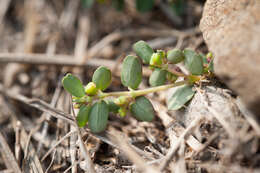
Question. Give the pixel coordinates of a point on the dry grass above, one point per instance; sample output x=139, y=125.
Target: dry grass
x=43, y=40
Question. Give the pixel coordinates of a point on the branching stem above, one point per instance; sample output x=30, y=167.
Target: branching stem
x=136, y=93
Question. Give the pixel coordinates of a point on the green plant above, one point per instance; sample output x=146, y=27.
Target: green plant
x=94, y=104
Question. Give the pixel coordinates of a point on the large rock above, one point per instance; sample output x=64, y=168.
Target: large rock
x=231, y=29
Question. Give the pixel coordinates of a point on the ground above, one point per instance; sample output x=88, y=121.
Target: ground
x=41, y=41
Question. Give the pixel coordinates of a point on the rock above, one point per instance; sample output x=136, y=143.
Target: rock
x=231, y=29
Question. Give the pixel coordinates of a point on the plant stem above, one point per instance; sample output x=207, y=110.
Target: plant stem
x=136, y=93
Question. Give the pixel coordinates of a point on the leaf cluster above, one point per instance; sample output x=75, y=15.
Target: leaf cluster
x=95, y=105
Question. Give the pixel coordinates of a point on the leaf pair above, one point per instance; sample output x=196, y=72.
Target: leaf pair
x=96, y=116
x=101, y=80
x=192, y=61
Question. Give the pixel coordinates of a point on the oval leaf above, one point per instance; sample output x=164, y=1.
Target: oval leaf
x=83, y=114
x=98, y=117
x=102, y=77
x=144, y=5
x=131, y=74
x=158, y=77
x=193, y=62
x=73, y=85
x=181, y=96
x=142, y=109
x=175, y=56
x=143, y=50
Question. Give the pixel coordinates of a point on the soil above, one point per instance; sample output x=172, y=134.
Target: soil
x=41, y=41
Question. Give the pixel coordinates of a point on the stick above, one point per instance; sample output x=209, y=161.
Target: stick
x=175, y=129
x=249, y=116
x=59, y=60
x=132, y=155
x=56, y=144
x=85, y=153
x=38, y=104
x=8, y=156
x=177, y=144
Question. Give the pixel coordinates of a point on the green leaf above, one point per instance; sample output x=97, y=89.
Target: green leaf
x=87, y=3
x=175, y=56
x=102, y=77
x=181, y=96
x=98, y=117
x=82, y=116
x=143, y=50
x=118, y=4
x=142, y=109
x=112, y=106
x=158, y=77
x=193, y=62
x=73, y=85
x=144, y=5
x=131, y=73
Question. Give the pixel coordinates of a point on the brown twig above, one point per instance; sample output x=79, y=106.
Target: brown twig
x=38, y=104
x=17, y=141
x=85, y=153
x=56, y=144
x=249, y=117
x=221, y=119
x=52, y=160
x=106, y=136
x=59, y=60
x=32, y=161
x=176, y=145
x=176, y=129
x=46, y=124
x=8, y=156
x=132, y=155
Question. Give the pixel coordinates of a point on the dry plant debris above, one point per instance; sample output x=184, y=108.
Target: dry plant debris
x=43, y=40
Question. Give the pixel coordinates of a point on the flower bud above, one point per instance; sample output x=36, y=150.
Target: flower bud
x=91, y=89
x=156, y=59
x=122, y=112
